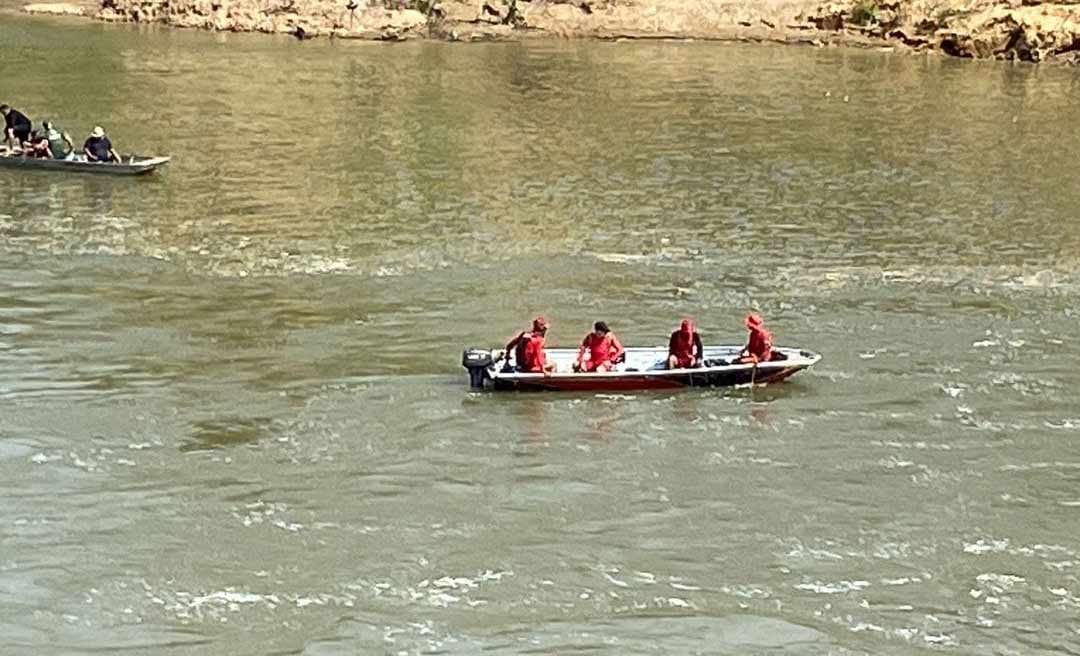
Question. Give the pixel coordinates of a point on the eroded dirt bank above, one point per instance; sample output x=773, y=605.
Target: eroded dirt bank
x=1030, y=30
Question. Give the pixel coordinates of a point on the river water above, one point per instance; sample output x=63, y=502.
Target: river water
x=233, y=420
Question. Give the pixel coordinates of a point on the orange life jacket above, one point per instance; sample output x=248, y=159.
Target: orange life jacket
x=603, y=348
x=530, y=353
x=760, y=344
x=682, y=345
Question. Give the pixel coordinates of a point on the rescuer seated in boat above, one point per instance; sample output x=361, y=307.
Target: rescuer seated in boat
x=684, y=348
x=528, y=349
x=758, y=344
x=60, y=144
x=16, y=126
x=98, y=148
x=603, y=348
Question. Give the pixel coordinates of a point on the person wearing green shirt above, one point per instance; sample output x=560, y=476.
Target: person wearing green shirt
x=60, y=144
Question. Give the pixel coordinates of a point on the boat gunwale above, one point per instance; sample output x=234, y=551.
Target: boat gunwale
x=804, y=360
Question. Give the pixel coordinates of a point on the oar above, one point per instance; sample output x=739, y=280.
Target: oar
x=753, y=375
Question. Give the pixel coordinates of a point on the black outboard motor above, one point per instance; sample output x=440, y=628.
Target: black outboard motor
x=477, y=361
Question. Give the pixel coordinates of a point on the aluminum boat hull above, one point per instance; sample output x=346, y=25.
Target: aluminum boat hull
x=644, y=368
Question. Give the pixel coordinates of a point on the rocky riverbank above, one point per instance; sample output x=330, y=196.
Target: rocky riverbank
x=1029, y=30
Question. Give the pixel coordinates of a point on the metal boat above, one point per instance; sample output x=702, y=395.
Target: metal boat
x=643, y=368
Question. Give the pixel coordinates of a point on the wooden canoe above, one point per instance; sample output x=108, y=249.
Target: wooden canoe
x=129, y=165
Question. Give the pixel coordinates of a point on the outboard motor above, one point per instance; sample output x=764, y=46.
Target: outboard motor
x=477, y=361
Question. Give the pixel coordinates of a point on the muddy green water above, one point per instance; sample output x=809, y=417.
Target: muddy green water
x=232, y=419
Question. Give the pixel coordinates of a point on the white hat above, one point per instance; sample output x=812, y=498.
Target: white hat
x=97, y=132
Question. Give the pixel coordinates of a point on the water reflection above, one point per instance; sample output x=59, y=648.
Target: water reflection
x=602, y=422
x=760, y=415
x=532, y=412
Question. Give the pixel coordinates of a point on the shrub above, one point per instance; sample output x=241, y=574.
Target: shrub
x=864, y=12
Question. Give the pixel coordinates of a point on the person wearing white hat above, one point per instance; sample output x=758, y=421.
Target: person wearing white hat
x=98, y=148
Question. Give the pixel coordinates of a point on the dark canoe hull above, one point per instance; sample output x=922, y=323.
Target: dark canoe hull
x=136, y=166
x=644, y=381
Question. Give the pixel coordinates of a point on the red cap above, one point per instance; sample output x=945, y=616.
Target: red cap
x=540, y=323
x=687, y=326
x=753, y=321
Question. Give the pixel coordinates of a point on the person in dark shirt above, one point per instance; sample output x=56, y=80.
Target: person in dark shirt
x=98, y=148
x=684, y=347
x=16, y=125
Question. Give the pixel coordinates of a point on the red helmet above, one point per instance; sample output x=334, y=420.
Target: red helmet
x=687, y=326
x=753, y=321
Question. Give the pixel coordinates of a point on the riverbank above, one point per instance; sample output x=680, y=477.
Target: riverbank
x=1026, y=30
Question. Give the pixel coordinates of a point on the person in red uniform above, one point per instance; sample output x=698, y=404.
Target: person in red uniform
x=528, y=349
x=684, y=347
x=758, y=344
x=603, y=348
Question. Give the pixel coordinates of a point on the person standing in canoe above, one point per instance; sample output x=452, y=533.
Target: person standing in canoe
x=603, y=348
x=16, y=126
x=528, y=349
x=758, y=344
x=98, y=148
x=60, y=145
x=684, y=348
